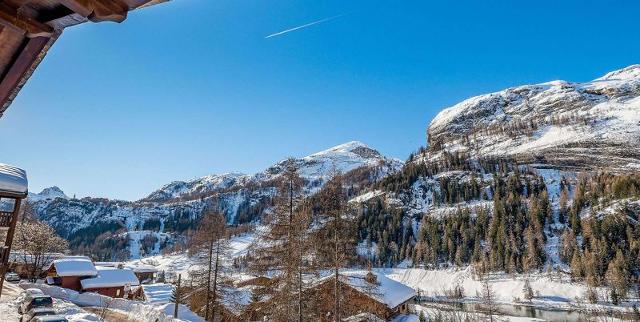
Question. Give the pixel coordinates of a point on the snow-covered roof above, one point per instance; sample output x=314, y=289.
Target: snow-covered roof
x=110, y=277
x=386, y=291
x=12, y=179
x=141, y=268
x=74, y=266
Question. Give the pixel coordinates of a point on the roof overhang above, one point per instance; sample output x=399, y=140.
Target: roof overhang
x=28, y=28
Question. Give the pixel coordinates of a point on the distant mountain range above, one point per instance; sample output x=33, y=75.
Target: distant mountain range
x=175, y=207
x=557, y=129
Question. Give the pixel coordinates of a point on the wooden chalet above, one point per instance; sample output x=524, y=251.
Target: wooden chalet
x=364, y=294
x=27, y=265
x=114, y=282
x=13, y=189
x=69, y=271
x=28, y=28
x=79, y=273
x=145, y=273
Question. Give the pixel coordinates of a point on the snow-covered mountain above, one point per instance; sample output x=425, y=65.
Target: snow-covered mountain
x=47, y=194
x=145, y=224
x=595, y=123
x=315, y=169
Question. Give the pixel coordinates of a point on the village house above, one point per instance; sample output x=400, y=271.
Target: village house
x=145, y=273
x=79, y=273
x=27, y=265
x=114, y=282
x=242, y=302
x=67, y=272
x=364, y=294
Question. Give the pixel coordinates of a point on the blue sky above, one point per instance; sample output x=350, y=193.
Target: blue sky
x=192, y=87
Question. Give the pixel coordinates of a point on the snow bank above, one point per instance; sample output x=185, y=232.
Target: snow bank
x=139, y=311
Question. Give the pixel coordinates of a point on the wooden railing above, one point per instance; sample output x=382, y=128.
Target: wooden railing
x=5, y=219
x=4, y=252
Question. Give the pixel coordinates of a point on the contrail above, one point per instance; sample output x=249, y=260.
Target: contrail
x=303, y=26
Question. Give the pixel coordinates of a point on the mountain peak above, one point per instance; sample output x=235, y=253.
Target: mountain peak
x=626, y=73
x=355, y=147
x=50, y=193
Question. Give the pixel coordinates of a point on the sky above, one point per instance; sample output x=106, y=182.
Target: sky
x=196, y=87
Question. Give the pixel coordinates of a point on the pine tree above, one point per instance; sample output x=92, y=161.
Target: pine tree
x=211, y=247
x=577, y=267
x=337, y=234
x=288, y=244
x=618, y=275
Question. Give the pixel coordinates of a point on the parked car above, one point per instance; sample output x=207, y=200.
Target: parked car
x=12, y=277
x=32, y=301
x=49, y=318
x=37, y=312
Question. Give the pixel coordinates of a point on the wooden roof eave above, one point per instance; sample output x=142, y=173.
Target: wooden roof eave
x=28, y=28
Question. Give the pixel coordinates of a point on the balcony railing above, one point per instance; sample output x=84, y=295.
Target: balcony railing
x=5, y=219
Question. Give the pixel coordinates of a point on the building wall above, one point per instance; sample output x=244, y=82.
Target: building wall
x=115, y=292
x=71, y=282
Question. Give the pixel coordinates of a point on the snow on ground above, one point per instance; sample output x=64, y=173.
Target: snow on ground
x=139, y=311
x=158, y=293
x=12, y=295
x=552, y=290
x=367, y=196
x=434, y=283
x=181, y=263
x=8, y=304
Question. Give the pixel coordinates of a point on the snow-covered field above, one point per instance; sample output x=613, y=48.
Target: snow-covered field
x=553, y=291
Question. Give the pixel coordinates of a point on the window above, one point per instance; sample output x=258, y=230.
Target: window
x=118, y=292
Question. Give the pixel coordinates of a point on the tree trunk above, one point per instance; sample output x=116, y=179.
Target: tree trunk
x=336, y=269
x=215, y=281
x=175, y=309
x=207, y=306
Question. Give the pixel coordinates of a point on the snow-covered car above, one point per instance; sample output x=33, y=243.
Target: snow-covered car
x=12, y=277
x=49, y=318
x=37, y=312
x=33, y=301
x=34, y=291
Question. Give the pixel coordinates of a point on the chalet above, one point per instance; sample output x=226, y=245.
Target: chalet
x=243, y=302
x=67, y=272
x=27, y=265
x=145, y=273
x=364, y=294
x=113, y=282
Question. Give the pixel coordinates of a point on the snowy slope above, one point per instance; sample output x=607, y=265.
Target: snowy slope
x=564, y=123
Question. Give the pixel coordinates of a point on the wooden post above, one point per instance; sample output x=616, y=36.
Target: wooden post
x=177, y=299
x=9, y=240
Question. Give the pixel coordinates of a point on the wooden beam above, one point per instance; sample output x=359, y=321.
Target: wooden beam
x=99, y=10
x=109, y=10
x=11, y=18
x=81, y=7
x=20, y=69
